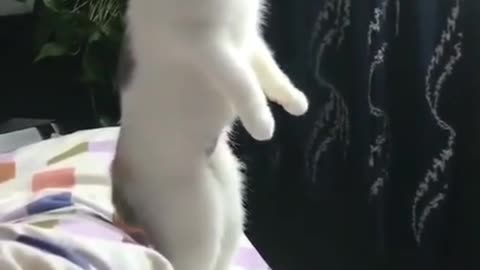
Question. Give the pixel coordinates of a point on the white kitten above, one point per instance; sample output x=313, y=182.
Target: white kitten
x=198, y=65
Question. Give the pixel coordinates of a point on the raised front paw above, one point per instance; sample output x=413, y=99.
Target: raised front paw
x=258, y=122
x=290, y=98
x=296, y=103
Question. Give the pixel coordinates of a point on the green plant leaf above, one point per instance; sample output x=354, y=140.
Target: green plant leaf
x=44, y=29
x=114, y=29
x=95, y=37
x=92, y=64
x=55, y=5
x=52, y=49
x=82, y=25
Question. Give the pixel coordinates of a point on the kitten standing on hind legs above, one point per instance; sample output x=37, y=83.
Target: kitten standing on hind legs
x=198, y=65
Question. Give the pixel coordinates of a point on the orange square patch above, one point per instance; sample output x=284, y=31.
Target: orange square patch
x=7, y=171
x=61, y=178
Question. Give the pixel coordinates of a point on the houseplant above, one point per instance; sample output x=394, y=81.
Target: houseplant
x=88, y=34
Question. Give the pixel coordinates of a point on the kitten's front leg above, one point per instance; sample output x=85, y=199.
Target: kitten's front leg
x=276, y=85
x=236, y=80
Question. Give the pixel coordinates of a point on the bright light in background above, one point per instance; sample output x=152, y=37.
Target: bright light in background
x=14, y=7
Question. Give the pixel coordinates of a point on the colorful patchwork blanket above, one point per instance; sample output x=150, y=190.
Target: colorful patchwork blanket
x=55, y=210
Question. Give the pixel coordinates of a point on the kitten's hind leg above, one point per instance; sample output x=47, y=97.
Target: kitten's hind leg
x=226, y=168
x=181, y=213
x=236, y=80
x=276, y=85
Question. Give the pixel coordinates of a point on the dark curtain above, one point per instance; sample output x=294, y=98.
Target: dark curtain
x=381, y=172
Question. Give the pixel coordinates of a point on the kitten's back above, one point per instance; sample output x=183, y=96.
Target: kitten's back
x=167, y=37
x=186, y=10
x=193, y=18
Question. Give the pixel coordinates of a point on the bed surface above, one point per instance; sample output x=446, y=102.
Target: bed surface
x=72, y=171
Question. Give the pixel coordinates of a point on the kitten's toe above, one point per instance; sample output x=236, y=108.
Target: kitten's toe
x=297, y=104
x=260, y=126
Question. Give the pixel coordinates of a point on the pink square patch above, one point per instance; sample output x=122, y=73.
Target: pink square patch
x=61, y=178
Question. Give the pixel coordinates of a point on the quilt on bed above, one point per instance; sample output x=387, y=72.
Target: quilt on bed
x=55, y=210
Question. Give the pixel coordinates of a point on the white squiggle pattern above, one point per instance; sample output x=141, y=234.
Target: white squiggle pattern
x=397, y=19
x=327, y=40
x=338, y=12
x=378, y=145
x=378, y=184
x=338, y=32
x=322, y=17
x=320, y=125
x=335, y=108
x=345, y=22
x=379, y=16
x=341, y=21
x=378, y=59
x=432, y=97
x=439, y=164
x=433, y=204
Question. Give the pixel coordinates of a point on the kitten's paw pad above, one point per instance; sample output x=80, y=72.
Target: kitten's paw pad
x=260, y=126
x=297, y=104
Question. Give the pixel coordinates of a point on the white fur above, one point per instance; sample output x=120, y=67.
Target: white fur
x=199, y=64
